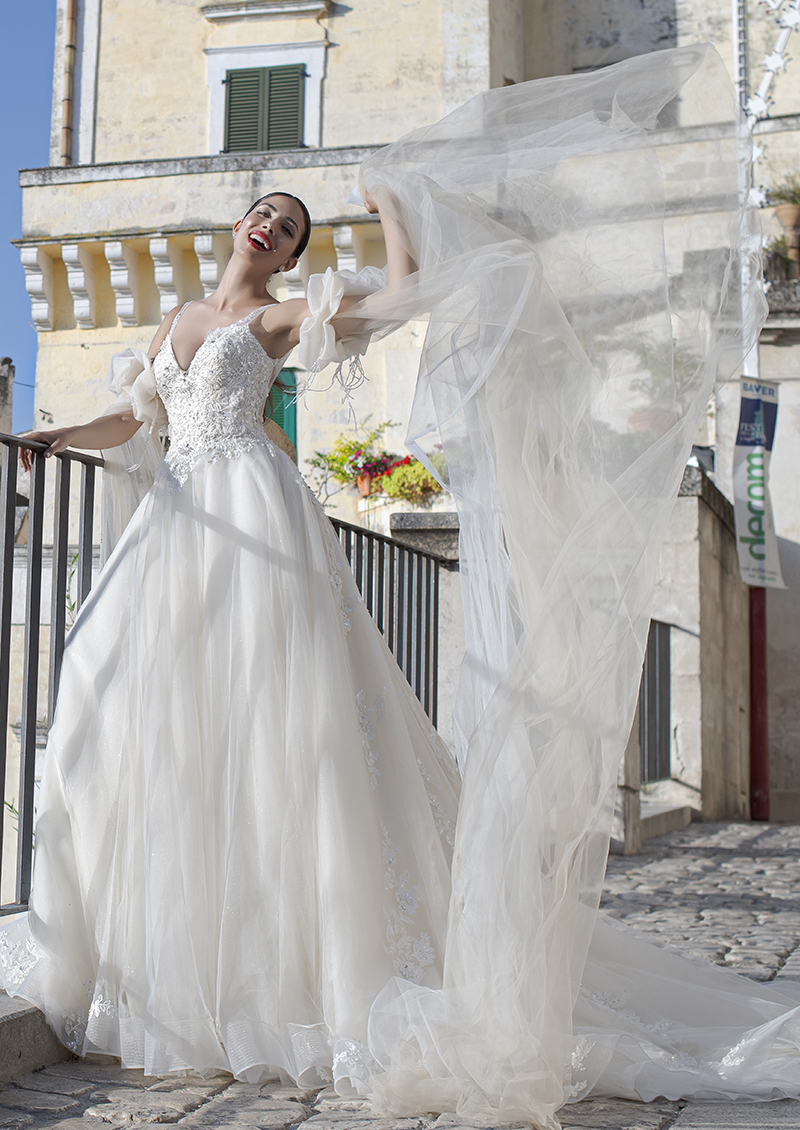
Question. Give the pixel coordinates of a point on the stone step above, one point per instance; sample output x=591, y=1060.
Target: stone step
x=26, y=1040
x=659, y=819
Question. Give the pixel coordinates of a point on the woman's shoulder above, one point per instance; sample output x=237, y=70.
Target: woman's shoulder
x=163, y=330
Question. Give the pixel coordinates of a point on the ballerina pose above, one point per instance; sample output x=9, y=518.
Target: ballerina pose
x=246, y=819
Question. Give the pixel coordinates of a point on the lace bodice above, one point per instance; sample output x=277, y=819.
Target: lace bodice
x=216, y=406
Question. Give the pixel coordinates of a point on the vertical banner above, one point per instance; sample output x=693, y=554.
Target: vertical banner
x=755, y=532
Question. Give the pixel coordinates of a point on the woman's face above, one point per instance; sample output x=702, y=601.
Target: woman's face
x=269, y=234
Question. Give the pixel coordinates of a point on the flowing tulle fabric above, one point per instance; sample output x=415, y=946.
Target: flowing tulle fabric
x=583, y=248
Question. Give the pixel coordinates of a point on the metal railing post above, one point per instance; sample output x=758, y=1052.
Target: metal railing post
x=85, y=533
x=8, y=500
x=30, y=677
x=58, y=591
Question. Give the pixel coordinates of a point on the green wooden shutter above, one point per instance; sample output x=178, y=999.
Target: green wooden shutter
x=264, y=109
x=283, y=410
x=285, y=107
x=244, y=111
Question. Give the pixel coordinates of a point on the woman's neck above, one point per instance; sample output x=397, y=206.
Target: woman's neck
x=241, y=288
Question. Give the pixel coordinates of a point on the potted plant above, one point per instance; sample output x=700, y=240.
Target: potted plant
x=776, y=259
x=353, y=461
x=411, y=481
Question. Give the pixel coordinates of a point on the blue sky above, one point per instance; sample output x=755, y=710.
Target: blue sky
x=27, y=32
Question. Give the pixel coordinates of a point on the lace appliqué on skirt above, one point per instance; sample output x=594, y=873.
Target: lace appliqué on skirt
x=583, y=1046
x=445, y=825
x=17, y=960
x=410, y=955
x=353, y=1060
x=335, y=576
x=368, y=718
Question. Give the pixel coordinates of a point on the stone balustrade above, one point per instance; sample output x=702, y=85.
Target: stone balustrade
x=134, y=280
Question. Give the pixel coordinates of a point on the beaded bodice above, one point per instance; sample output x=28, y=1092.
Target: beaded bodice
x=215, y=407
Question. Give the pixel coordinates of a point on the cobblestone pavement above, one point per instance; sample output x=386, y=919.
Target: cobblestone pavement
x=728, y=892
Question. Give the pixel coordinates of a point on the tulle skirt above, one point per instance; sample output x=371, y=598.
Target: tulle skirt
x=246, y=819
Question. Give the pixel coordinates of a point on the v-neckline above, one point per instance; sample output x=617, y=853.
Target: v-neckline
x=214, y=329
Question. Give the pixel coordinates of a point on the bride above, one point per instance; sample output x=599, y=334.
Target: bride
x=245, y=823
x=244, y=841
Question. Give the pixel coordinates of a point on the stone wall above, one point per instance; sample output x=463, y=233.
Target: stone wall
x=699, y=593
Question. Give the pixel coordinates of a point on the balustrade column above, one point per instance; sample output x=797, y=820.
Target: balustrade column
x=344, y=244
x=38, y=267
x=213, y=252
x=124, y=276
x=165, y=258
x=79, y=262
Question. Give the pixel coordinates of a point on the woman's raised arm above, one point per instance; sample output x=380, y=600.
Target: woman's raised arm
x=282, y=321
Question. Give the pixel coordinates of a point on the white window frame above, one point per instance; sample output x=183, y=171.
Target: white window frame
x=220, y=60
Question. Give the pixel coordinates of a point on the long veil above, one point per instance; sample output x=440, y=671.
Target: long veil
x=584, y=247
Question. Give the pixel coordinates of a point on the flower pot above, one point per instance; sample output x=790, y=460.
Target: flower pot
x=364, y=484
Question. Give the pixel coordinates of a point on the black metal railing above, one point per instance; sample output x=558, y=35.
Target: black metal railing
x=35, y=503
x=655, y=727
x=399, y=585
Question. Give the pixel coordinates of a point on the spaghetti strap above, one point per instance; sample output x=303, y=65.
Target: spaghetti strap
x=176, y=319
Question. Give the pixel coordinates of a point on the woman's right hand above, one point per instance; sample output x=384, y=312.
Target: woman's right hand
x=57, y=440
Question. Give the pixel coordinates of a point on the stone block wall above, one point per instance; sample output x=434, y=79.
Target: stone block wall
x=699, y=593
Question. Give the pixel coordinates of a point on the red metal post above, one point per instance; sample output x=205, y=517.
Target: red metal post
x=759, y=730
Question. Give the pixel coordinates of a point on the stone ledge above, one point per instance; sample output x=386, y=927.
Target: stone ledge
x=432, y=532
x=179, y=166
x=26, y=1040
x=783, y=296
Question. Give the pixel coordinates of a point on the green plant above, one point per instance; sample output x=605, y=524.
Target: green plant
x=71, y=601
x=776, y=258
x=351, y=456
x=786, y=193
x=13, y=811
x=411, y=481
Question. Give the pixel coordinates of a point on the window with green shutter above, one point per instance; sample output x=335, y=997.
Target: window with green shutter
x=281, y=408
x=264, y=108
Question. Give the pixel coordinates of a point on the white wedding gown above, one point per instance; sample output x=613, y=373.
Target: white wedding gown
x=246, y=819
x=244, y=834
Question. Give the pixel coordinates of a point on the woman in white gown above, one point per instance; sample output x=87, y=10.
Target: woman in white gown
x=242, y=847
x=246, y=820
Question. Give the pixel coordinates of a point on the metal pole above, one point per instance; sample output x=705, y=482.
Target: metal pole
x=759, y=727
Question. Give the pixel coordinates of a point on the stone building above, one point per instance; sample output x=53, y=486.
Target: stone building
x=178, y=114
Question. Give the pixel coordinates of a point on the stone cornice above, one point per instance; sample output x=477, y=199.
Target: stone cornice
x=180, y=166
x=247, y=9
